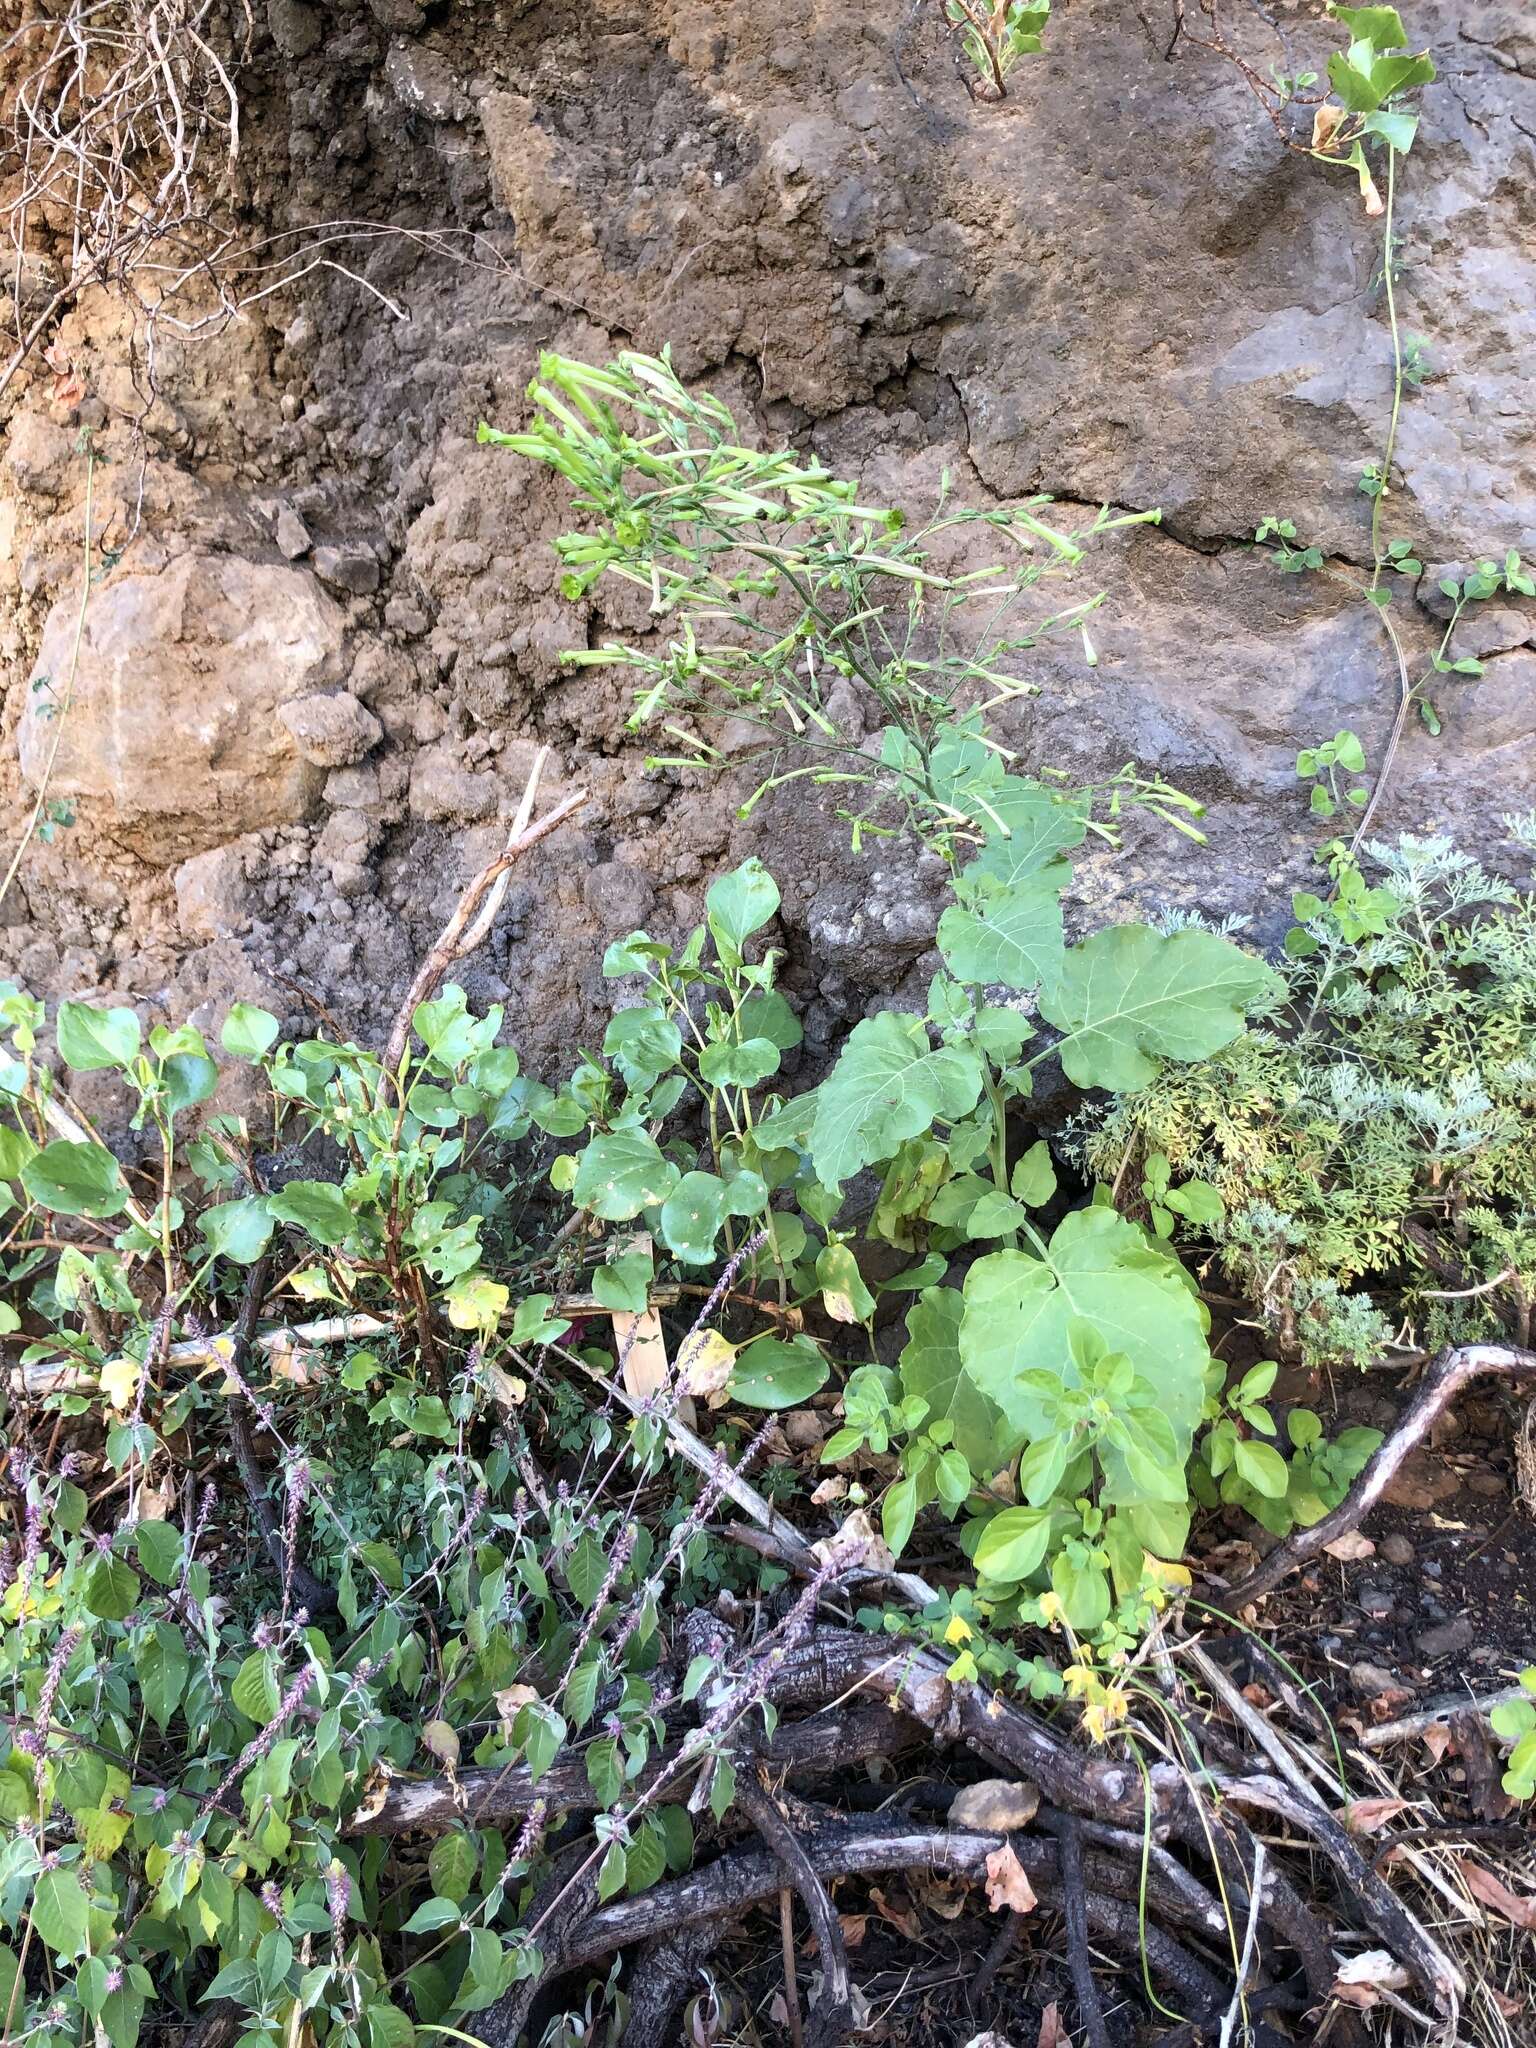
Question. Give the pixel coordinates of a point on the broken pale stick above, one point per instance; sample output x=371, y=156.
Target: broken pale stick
x=470, y=925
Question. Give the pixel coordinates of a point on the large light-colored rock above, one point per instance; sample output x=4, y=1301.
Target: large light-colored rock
x=172, y=721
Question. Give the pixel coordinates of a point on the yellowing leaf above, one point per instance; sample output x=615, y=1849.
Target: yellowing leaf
x=1106, y=1712
x=120, y=1378
x=441, y=1740
x=704, y=1364
x=477, y=1302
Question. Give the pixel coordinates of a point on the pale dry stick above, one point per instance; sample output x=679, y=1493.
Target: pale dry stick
x=1417, y=1724
x=1250, y=1942
x=1446, y=1377
x=1295, y=1763
x=476, y=910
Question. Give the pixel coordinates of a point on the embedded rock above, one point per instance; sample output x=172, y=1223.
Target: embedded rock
x=331, y=731
x=170, y=728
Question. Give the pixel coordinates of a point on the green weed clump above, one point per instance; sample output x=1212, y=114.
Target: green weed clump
x=1367, y=1147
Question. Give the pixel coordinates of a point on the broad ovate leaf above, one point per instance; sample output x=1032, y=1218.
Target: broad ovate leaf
x=775, y=1372
x=1129, y=997
x=1005, y=924
x=1011, y=935
x=1022, y=1314
x=75, y=1179
x=90, y=1039
x=740, y=904
x=930, y=1366
x=622, y=1173
x=888, y=1085
x=691, y=1217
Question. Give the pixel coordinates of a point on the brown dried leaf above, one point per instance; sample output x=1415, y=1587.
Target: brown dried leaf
x=1490, y=1891
x=857, y=1542
x=1436, y=1738
x=1386, y=1706
x=855, y=1926
x=835, y=1488
x=508, y=1700
x=375, y=1792
x=1008, y=1885
x=1351, y=1547
x=1370, y=1816
x=1052, y=2032
x=941, y=1896
x=1326, y=123
x=898, y=1916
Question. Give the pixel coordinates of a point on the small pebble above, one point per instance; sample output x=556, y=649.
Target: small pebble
x=1371, y=1678
x=1376, y=1601
x=1397, y=1549
x=1446, y=1637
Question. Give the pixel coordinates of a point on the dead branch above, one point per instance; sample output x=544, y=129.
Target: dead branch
x=845, y=1849
x=830, y=2014
x=1450, y=1372
x=665, y=1972
x=485, y=1796
x=1433, y=1716
x=476, y=911
x=1380, y=1908
x=1067, y=1830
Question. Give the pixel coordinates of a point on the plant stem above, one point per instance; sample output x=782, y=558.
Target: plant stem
x=1397, y=376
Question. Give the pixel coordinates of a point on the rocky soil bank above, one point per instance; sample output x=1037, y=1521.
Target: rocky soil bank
x=313, y=681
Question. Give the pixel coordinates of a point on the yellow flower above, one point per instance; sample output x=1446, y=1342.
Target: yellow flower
x=959, y=1630
x=1106, y=1712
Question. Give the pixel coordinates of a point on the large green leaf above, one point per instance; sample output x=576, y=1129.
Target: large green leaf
x=240, y=1230
x=740, y=904
x=888, y=1085
x=1005, y=924
x=75, y=1179
x=318, y=1208
x=1005, y=933
x=1381, y=27
x=248, y=1031
x=930, y=1366
x=776, y=1372
x=61, y=1912
x=1040, y=828
x=1102, y=1271
x=1129, y=997
x=622, y=1173
x=691, y=1217
x=90, y=1038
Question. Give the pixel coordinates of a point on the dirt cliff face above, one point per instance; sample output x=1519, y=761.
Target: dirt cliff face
x=312, y=684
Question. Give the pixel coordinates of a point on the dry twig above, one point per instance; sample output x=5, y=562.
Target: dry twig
x=470, y=925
